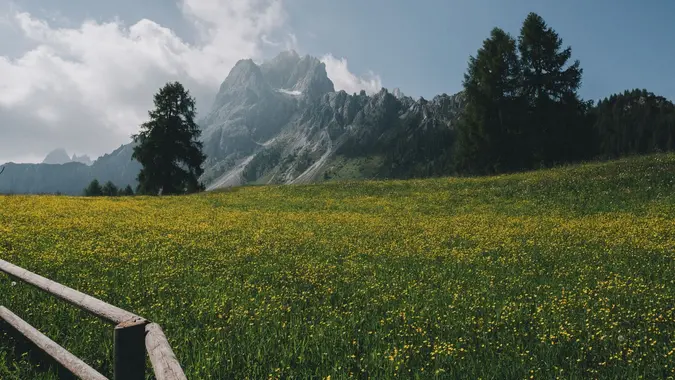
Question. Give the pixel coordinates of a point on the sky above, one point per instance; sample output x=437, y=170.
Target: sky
x=80, y=74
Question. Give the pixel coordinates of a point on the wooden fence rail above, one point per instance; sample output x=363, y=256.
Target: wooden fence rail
x=133, y=335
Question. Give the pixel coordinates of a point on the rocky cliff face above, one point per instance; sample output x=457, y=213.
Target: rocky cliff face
x=283, y=122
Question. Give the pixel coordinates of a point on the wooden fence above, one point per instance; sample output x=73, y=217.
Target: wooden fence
x=133, y=335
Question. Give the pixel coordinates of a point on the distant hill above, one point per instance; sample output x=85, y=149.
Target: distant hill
x=70, y=177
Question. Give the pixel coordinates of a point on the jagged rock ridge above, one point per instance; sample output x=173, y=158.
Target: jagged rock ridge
x=282, y=122
x=60, y=156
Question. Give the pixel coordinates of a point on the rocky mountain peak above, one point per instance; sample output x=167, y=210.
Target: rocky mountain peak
x=57, y=156
x=60, y=156
x=244, y=75
x=285, y=58
x=311, y=77
x=292, y=74
x=83, y=159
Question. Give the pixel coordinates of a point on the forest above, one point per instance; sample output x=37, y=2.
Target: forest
x=523, y=109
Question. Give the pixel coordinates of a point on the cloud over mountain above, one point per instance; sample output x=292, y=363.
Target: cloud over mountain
x=338, y=72
x=87, y=88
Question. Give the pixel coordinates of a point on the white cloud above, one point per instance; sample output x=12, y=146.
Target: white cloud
x=291, y=42
x=267, y=41
x=88, y=88
x=339, y=73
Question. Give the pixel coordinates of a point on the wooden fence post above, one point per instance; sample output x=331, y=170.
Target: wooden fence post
x=130, y=333
x=129, y=360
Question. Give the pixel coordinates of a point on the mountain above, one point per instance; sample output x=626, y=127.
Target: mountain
x=397, y=93
x=57, y=157
x=283, y=122
x=84, y=159
x=70, y=177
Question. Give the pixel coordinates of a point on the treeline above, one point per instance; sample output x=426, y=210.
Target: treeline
x=523, y=110
x=635, y=122
x=107, y=190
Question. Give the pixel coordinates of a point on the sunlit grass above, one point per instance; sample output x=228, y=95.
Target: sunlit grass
x=565, y=273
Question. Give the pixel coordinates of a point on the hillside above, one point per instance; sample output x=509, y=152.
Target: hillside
x=556, y=273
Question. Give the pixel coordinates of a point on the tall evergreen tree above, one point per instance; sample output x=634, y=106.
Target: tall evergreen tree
x=168, y=146
x=128, y=191
x=556, y=124
x=110, y=190
x=93, y=189
x=489, y=126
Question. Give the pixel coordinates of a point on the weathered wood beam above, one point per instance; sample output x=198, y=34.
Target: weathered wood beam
x=69, y=361
x=131, y=331
x=101, y=309
x=163, y=360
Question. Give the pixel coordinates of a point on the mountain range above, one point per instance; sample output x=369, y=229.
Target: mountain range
x=282, y=122
x=60, y=156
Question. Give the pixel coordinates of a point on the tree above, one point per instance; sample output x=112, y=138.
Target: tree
x=93, y=189
x=110, y=190
x=167, y=145
x=489, y=125
x=635, y=122
x=128, y=191
x=556, y=127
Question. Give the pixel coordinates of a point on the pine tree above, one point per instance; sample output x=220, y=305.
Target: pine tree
x=93, y=189
x=110, y=190
x=128, y=191
x=489, y=125
x=168, y=148
x=556, y=116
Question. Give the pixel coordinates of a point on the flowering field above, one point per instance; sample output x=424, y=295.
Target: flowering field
x=565, y=273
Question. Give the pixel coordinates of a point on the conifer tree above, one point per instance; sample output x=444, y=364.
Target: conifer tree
x=93, y=189
x=490, y=120
x=110, y=190
x=168, y=147
x=128, y=191
x=556, y=127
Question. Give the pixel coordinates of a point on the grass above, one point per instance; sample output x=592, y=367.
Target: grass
x=563, y=273
x=343, y=168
